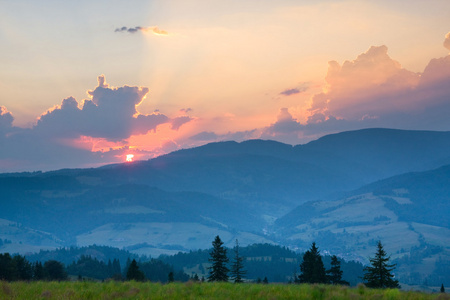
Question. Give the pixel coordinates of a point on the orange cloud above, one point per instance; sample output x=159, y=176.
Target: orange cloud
x=447, y=41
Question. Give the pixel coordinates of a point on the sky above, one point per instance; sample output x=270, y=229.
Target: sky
x=86, y=83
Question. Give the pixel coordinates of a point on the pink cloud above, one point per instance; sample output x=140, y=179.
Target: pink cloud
x=362, y=85
x=72, y=135
x=374, y=84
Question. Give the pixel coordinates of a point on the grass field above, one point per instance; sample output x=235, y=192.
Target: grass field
x=190, y=290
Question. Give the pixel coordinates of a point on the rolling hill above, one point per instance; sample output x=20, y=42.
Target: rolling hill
x=337, y=190
x=408, y=213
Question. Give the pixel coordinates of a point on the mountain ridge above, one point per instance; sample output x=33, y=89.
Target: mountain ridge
x=256, y=191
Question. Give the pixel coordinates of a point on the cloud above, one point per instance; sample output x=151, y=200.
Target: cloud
x=110, y=113
x=289, y=92
x=376, y=85
x=209, y=136
x=94, y=132
x=303, y=87
x=447, y=41
x=152, y=29
x=186, y=110
x=285, y=124
x=204, y=136
x=364, y=85
x=179, y=121
x=6, y=119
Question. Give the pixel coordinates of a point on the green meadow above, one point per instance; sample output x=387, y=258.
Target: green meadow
x=191, y=290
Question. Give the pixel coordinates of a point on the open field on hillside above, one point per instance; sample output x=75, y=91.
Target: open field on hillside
x=190, y=290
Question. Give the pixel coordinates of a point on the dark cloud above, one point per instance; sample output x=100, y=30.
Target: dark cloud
x=110, y=114
x=186, y=110
x=66, y=135
x=152, y=29
x=289, y=92
x=292, y=91
x=179, y=121
x=204, y=136
x=209, y=136
x=6, y=119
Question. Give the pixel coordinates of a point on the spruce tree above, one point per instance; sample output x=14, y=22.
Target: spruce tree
x=335, y=272
x=237, y=268
x=218, y=258
x=171, y=277
x=38, y=271
x=55, y=270
x=442, y=288
x=134, y=273
x=379, y=275
x=312, y=268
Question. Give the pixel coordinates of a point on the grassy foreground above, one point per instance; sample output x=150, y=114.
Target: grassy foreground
x=190, y=290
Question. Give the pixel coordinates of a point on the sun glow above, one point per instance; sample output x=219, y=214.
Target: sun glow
x=129, y=157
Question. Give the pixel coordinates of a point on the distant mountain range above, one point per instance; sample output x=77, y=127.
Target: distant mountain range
x=345, y=191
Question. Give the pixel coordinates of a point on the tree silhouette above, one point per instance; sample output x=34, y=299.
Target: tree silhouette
x=379, y=274
x=442, y=288
x=134, y=273
x=170, y=278
x=312, y=268
x=218, y=257
x=335, y=272
x=55, y=270
x=38, y=271
x=237, y=268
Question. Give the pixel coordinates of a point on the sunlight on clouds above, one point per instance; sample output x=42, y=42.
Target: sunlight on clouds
x=447, y=41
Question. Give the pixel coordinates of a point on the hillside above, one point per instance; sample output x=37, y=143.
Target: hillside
x=249, y=191
x=408, y=213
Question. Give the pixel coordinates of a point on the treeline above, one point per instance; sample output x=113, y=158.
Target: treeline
x=262, y=261
x=276, y=263
x=17, y=267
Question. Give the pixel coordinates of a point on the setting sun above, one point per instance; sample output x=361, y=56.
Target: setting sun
x=129, y=157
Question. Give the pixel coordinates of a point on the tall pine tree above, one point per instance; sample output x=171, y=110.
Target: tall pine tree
x=237, y=268
x=379, y=275
x=335, y=272
x=134, y=273
x=312, y=268
x=218, y=257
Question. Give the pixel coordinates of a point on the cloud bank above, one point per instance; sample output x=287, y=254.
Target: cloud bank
x=372, y=90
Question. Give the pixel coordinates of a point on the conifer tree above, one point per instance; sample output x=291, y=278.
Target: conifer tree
x=218, y=257
x=170, y=278
x=379, y=275
x=134, y=273
x=312, y=268
x=442, y=288
x=38, y=271
x=237, y=268
x=55, y=270
x=335, y=272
